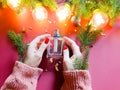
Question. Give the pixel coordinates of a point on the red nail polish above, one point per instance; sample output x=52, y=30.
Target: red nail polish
x=65, y=47
x=46, y=40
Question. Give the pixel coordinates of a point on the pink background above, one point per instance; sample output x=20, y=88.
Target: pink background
x=104, y=56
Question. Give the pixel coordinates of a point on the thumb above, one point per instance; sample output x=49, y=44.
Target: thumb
x=42, y=47
x=65, y=53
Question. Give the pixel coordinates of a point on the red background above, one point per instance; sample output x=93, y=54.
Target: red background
x=104, y=56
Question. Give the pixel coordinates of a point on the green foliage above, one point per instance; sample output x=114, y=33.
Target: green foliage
x=52, y=4
x=111, y=7
x=85, y=8
x=4, y=3
x=77, y=63
x=85, y=58
x=75, y=5
x=18, y=43
x=82, y=63
x=88, y=37
x=32, y=3
x=28, y=3
x=90, y=6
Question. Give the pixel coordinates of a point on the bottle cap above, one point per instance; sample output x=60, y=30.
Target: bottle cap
x=56, y=33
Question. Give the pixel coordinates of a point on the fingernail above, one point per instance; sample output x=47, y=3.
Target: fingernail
x=46, y=40
x=65, y=47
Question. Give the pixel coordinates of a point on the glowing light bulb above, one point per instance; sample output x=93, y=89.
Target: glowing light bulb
x=63, y=12
x=99, y=20
x=13, y=3
x=40, y=13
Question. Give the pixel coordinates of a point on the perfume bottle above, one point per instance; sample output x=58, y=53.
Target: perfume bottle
x=55, y=46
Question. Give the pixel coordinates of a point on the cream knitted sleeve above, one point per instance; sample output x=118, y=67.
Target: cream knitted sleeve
x=23, y=77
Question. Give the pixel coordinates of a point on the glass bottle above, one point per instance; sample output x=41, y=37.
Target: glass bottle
x=55, y=46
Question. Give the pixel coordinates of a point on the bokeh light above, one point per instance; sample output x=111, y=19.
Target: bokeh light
x=13, y=3
x=40, y=13
x=63, y=12
x=99, y=20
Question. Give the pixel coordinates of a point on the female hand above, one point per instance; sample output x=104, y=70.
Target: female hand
x=34, y=53
x=67, y=60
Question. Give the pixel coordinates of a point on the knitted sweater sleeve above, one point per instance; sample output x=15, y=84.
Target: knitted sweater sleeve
x=77, y=80
x=23, y=77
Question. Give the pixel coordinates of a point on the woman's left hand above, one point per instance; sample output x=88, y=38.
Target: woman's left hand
x=67, y=60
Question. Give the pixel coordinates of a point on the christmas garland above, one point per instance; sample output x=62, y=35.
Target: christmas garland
x=84, y=8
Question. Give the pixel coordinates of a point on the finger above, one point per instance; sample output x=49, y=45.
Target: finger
x=65, y=53
x=34, y=43
x=38, y=38
x=73, y=45
x=42, y=47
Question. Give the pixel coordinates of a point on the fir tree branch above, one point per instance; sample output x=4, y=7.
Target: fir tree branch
x=85, y=58
x=88, y=37
x=82, y=63
x=17, y=40
x=77, y=64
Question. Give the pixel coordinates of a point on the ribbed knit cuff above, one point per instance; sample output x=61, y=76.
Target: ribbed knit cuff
x=23, y=77
x=77, y=80
x=26, y=71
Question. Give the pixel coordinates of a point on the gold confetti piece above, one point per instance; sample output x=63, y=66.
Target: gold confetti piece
x=75, y=30
x=59, y=61
x=23, y=30
x=65, y=24
x=51, y=60
x=30, y=28
x=56, y=67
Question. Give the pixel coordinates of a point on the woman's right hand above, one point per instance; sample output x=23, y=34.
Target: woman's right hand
x=35, y=52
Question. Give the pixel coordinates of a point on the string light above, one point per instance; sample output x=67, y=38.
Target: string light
x=99, y=20
x=40, y=13
x=13, y=3
x=63, y=12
